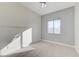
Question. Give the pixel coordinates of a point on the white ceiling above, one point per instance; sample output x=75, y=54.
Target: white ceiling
x=51, y=6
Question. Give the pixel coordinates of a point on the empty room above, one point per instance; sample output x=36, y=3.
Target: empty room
x=39, y=29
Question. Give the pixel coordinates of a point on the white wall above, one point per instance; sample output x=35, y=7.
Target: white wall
x=27, y=37
x=21, y=40
x=12, y=46
x=15, y=18
x=67, y=26
x=77, y=27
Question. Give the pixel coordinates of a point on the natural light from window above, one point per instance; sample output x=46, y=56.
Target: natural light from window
x=27, y=37
x=24, y=40
x=54, y=26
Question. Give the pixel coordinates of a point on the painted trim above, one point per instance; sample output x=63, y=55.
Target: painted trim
x=59, y=43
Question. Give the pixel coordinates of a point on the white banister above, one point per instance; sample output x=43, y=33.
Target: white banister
x=20, y=41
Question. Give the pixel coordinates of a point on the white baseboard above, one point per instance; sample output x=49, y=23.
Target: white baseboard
x=59, y=43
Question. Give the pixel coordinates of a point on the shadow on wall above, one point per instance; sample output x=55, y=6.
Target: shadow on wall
x=21, y=40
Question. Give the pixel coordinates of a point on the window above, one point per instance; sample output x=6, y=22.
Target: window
x=54, y=26
x=50, y=26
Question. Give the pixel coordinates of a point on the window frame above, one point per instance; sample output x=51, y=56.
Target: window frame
x=53, y=25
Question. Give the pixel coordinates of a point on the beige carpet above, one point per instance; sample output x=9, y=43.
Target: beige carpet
x=45, y=49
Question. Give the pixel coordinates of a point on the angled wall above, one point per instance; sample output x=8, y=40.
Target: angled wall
x=15, y=18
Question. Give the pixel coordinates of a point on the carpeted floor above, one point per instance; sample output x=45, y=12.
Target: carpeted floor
x=45, y=49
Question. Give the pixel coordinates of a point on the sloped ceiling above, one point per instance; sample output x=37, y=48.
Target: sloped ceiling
x=51, y=6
